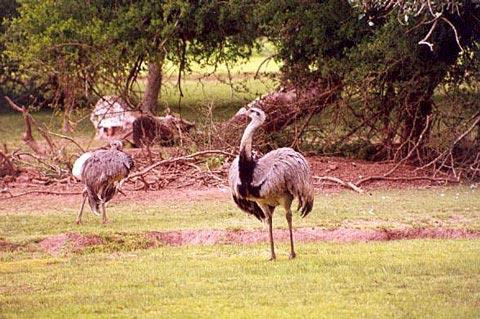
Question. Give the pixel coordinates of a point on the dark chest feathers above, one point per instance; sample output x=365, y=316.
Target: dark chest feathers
x=246, y=169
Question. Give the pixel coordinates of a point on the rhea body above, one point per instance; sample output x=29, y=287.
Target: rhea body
x=103, y=173
x=260, y=185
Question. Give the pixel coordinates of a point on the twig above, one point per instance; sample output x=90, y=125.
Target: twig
x=454, y=31
x=177, y=159
x=406, y=178
x=5, y=158
x=268, y=58
x=67, y=138
x=394, y=168
x=458, y=139
x=37, y=192
x=52, y=167
x=45, y=133
x=341, y=182
x=302, y=129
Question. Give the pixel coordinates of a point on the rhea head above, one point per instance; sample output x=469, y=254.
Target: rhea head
x=257, y=115
x=116, y=145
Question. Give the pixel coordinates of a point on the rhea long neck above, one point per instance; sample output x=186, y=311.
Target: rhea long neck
x=246, y=142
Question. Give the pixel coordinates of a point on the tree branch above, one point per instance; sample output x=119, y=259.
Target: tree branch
x=341, y=182
x=177, y=159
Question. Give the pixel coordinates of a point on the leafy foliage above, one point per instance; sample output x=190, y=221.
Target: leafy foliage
x=104, y=43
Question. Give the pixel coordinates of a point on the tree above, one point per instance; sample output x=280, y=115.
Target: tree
x=8, y=10
x=414, y=48
x=388, y=56
x=108, y=44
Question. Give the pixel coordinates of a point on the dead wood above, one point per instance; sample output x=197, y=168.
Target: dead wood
x=68, y=138
x=440, y=161
x=27, y=135
x=161, y=130
x=5, y=191
x=341, y=182
x=6, y=166
x=283, y=107
x=178, y=159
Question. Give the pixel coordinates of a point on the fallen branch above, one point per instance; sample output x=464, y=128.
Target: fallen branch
x=27, y=135
x=339, y=181
x=406, y=178
x=55, y=169
x=177, y=159
x=68, y=138
x=397, y=165
x=36, y=192
x=6, y=166
x=457, y=140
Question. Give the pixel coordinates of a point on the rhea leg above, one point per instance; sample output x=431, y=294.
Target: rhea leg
x=270, y=235
x=93, y=202
x=286, y=202
x=268, y=211
x=104, y=214
x=79, y=215
x=289, y=220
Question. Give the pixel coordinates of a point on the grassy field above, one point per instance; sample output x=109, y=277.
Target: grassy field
x=407, y=278
x=438, y=207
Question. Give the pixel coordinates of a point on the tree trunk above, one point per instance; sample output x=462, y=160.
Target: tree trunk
x=419, y=107
x=152, y=90
x=67, y=125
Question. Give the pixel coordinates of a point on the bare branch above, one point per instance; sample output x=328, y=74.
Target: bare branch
x=70, y=139
x=178, y=159
x=339, y=181
x=454, y=31
x=424, y=40
x=27, y=135
x=35, y=192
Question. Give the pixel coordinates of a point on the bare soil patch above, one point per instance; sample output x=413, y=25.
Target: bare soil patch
x=74, y=242
x=311, y=234
x=8, y=246
x=71, y=241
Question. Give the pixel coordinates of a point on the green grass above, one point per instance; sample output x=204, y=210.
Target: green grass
x=224, y=99
x=446, y=207
x=407, y=279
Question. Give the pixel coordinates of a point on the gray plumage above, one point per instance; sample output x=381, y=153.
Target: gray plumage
x=260, y=185
x=103, y=173
x=281, y=172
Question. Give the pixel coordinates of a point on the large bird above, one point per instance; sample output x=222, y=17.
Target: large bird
x=260, y=185
x=103, y=173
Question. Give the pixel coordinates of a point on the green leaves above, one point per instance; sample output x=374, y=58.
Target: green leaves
x=99, y=41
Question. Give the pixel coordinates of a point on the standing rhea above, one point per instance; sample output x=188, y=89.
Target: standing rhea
x=103, y=173
x=260, y=185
